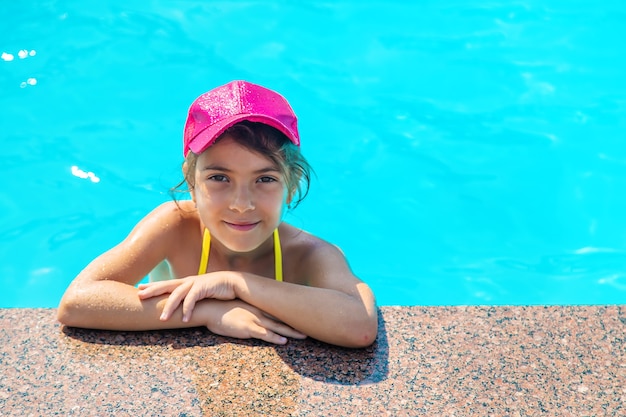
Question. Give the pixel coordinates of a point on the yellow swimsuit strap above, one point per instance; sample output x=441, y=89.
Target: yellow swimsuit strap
x=206, y=248
x=278, y=257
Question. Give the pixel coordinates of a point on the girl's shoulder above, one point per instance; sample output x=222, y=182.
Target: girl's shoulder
x=314, y=261
x=304, y=245
x=175, y=212
x=168, y=218
x=170, y=231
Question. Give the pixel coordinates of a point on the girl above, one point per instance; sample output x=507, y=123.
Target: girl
x=237, y=268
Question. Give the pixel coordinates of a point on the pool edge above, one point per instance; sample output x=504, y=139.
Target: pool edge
x=482, y=360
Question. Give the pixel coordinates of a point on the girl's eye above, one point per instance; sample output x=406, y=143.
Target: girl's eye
x=266, y=179
x=218, y=178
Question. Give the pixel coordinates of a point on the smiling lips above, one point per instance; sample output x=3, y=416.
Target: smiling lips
x=242, y=227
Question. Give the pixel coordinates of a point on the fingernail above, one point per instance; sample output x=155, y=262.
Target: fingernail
x=163, y=317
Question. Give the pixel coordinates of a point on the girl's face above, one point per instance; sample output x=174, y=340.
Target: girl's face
x=240, y=195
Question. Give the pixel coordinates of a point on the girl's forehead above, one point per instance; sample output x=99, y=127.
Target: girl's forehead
x=228, y=153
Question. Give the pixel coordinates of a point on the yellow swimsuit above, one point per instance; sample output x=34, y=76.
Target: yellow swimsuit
x=206, y=248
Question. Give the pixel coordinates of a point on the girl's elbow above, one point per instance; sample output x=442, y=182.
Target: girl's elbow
x=362, y=336
x=368, y=336
x=362, y=340
x=64, y=315
x=365, y=330
x=68, y=313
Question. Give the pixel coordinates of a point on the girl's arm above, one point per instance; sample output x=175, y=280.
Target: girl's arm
x=341, y=318
x=103, y=295
x=113, y=305
x=334, y=306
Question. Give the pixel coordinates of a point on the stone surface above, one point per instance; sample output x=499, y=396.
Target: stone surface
x=439, y=361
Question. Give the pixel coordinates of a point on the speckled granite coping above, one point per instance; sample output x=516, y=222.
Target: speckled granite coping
x=435, y=361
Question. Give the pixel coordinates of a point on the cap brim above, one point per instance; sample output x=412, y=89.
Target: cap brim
x=207, y=137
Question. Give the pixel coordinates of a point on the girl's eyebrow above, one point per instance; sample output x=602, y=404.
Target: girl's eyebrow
x=215, y=168
x=224, y=169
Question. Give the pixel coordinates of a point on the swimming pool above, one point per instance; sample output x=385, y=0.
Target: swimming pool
x=466, y=153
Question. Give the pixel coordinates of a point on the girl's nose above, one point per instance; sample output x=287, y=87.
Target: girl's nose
x=242, y=200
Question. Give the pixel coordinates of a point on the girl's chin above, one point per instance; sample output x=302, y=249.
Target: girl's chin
x=242, y=244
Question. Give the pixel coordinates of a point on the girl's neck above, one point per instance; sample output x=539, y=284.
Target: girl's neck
x=241, y=261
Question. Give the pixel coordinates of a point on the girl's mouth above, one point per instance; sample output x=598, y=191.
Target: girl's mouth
x=242, y=227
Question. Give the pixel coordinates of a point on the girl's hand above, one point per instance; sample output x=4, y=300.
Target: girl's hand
x=243, y=321
x=188, y=291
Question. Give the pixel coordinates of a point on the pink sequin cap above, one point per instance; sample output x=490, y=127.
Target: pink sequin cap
x=215, y=111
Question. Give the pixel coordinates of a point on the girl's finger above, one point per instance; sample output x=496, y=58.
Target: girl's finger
x=157, y=288
x=282, y=329
x=190, y=302
x=160, y=284
x=259, y=332
x=174, y=300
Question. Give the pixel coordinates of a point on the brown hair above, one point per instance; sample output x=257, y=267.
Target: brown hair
x=270, y=143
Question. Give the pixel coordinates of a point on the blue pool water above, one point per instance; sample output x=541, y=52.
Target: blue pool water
x=467, y=152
